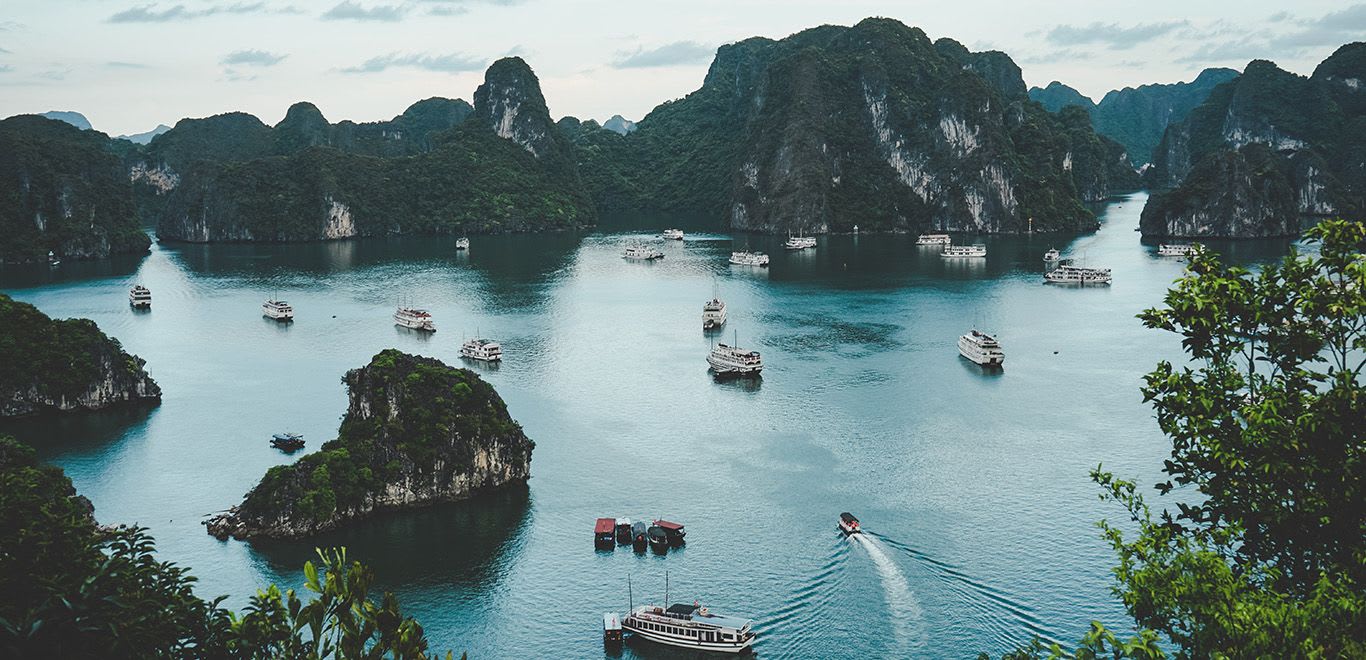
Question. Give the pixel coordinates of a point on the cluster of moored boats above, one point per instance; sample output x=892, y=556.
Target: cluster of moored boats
x=659, y=535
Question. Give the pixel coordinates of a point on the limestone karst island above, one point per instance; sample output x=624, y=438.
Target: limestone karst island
x=974, y=330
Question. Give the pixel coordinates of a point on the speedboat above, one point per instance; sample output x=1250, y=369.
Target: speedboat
x=415, y=319
x=691, y=627
x=277, y=309
x=140, y=296
x=713, y=314
x=849, y=524
x=673, y=234
x=641, y=253
x=604, y=534
x=981, y=348
x=485, y=350
x=747, y=258
x=977, y=251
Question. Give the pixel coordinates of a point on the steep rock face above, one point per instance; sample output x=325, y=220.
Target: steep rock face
x=1314, y=130
x=1234, y=193
x=62, y=190
x=1057, y=96
x=619, y=125
x=50, y=365
x=1136, y=117
x=1099, y=166
x=416, y=432
x=872, y=125
x=510, y=103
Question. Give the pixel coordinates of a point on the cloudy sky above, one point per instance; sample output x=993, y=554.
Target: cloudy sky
x=131, y=64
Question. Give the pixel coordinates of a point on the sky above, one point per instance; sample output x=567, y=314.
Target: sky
x=129, y=65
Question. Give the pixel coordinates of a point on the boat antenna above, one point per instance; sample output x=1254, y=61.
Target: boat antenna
x=666, y=588
x=630, y=596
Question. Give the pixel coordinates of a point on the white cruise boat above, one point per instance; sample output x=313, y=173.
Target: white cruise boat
x=713, y=314
x=140, y=296
x=800, y=242
x=414, y=318
x=673, y=234
x=485, y=350
x=690, y=626
x=462, y=243
x=734, y=361
x=747, y=258
x=1069, y=274
x=277, y=309
x=641, y=253
x=981, y=348
x=1175, y=249
x=977, y=251
x=1052, y=256
x=934, y=239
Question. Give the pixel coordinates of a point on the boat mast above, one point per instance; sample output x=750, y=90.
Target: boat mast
x=666, y=588
x=630, y=597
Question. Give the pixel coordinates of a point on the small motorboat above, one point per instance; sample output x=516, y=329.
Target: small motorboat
x=639, y=536
x=611, y=629
x=604, y=534
x=659, y=539
x=849, y=524
x=623, y=530
x=288, y=442
x=673, y=531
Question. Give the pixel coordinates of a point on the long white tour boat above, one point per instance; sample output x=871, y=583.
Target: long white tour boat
x=747, y=258
x=976, y=251
x=641, y=253
x=140, y=296
x=485, y=350
x=726, y=360
x=690, y=626
x=1175, y=249
x=934, y=239
x=1069, y=274
x=414, y=318
x=278, y=310
x=800, y=242
x=713, y=314
x=673, y=234
x=981, y=348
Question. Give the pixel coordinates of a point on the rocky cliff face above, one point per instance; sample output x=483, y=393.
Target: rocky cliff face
x=50, y=366
x=1312, y=134
x=415, y=432
x=1235, y=193
x=62, y=190
x=510, y=103
x=872, y=125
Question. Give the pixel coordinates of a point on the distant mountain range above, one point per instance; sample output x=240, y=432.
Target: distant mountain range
x=144, y=138
x=74, y=118
x=873, y=125
x=1136, y=116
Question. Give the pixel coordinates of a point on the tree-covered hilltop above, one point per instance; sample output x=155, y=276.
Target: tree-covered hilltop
x=1314, y=127
x=74, y=589
x=63, y=190
x=415, y=432
x=58, y=365
x=503, y=167
x=1136, y=117
x=873, y=125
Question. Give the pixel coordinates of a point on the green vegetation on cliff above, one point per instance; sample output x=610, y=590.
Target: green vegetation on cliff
x=63, y=190
x=416, y=432
x=76, y=590
x=48, y=364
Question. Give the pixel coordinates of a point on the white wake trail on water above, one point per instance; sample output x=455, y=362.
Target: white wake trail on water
x=901, y=603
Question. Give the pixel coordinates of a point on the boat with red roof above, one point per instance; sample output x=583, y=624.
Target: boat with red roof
x=604, y=533
x=673, y=531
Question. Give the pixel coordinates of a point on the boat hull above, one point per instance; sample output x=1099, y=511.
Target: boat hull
x=688, y=643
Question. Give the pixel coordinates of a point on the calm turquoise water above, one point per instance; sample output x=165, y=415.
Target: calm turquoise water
x=973, y=485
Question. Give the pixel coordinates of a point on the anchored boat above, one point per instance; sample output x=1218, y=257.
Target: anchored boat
x=140, y=296
x=800, y=242
x=690, y=626
x=747, y=258
x=1052, y=256
x=934, y=239
x=604, y=534
x=641, y=253
x=462, y=243
x=673, y=532
x=981, y=348
x=414, y=318
x=277, y=309
x=673, y=234
x=713, y=314
x=287, y=441
x=1069, y=274
x=728, y=360
x=623, y=530
x=1175, y=249
x=485, y=350
x=976, y=251
x=639, y=536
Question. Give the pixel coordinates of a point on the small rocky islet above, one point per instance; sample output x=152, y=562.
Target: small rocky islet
x=416, y=432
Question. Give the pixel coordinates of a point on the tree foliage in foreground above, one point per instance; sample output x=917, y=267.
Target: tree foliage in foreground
x=75, y=590
x=1265, y=554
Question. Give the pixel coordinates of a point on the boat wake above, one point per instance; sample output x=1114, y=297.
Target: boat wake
x=900, y=601
x=810, y=603
x=1014, y=629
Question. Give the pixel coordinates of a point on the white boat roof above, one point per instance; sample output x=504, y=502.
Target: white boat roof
x=709, y=619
